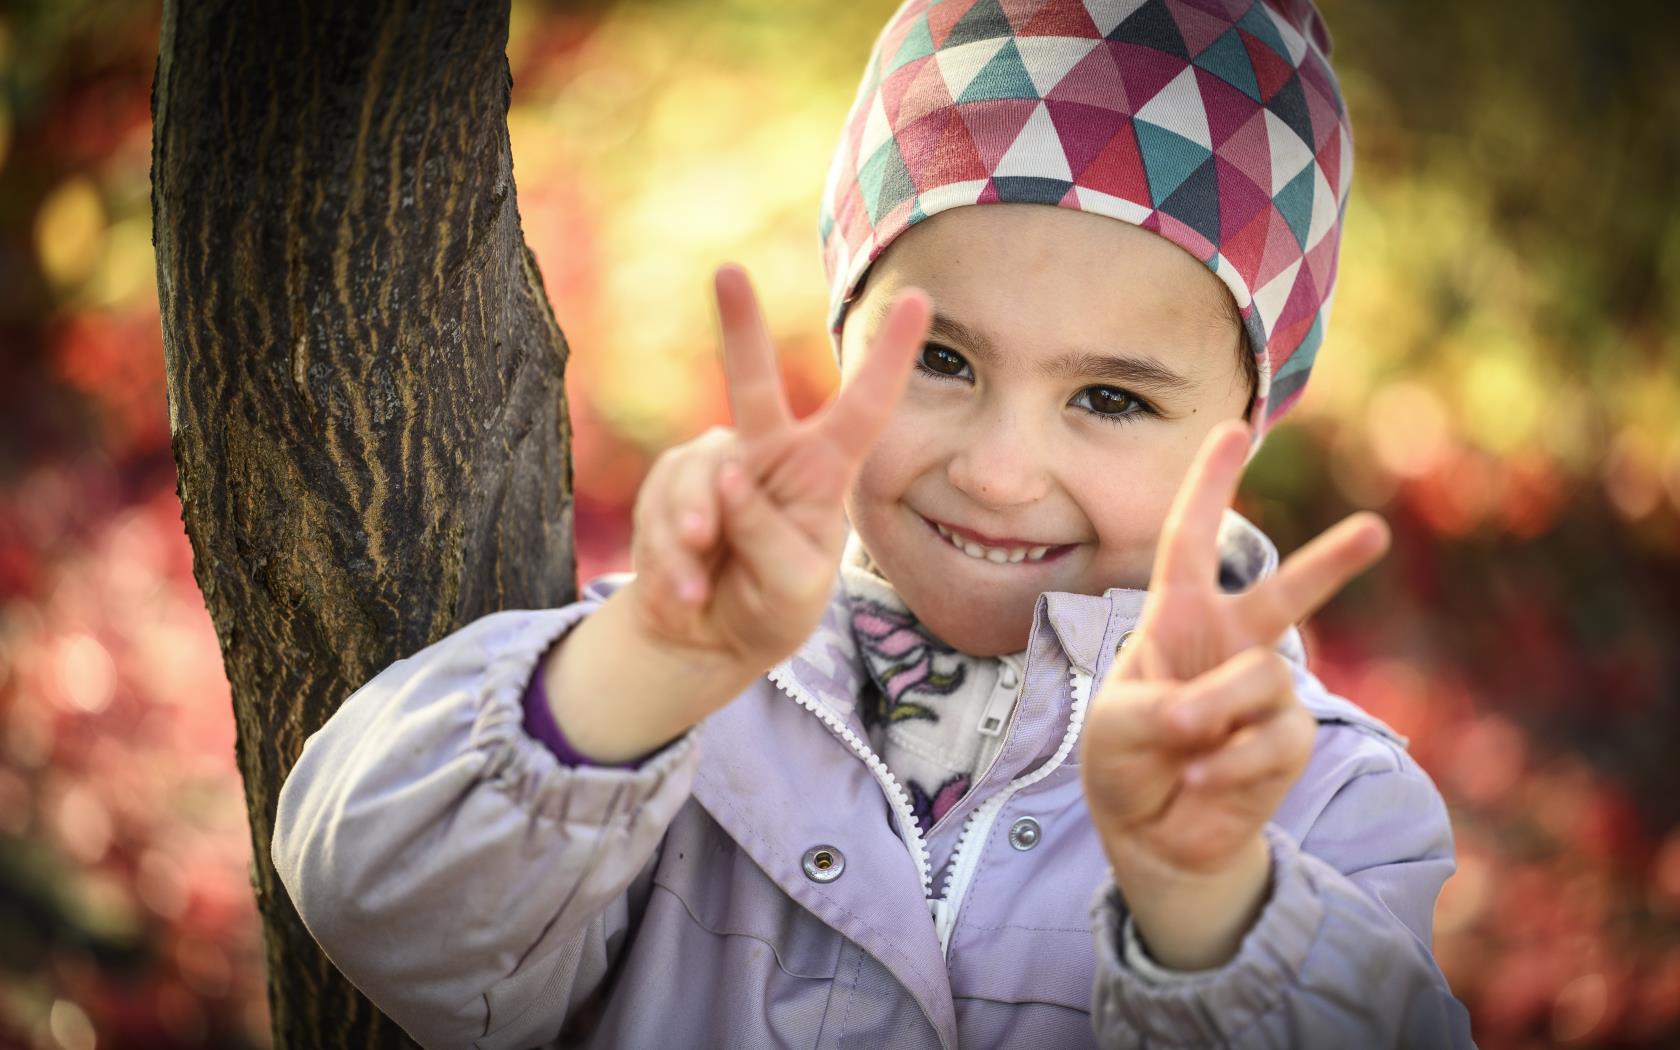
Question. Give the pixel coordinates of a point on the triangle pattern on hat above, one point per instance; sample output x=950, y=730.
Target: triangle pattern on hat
x=943, y=17
x=1178, y=108
x=1115, y=207
x=1049, y=58
x=1197, y=28
x=1168, y=157
x=1184, y=235
x=1290, y=104
x=1295, y=203
x=1106, y=14
x=1322, y=114
x=961, y=65
x=1227, y=108
x=885, y=181
x=1249, y=151
x=1240, y=200
x=924, y=93
x=1264, y=30
x=994, y=124
x=938, y=149
x=917, y=43
x=1247, y=249
x=1289, y=153
x=1144, y=70
x=1083, y=129
x=1270, y=298
x=1118, y=170
x=876, y=128
x=1330, y=159
x=1324, y=209
x=897, y=85
x=1028, y=189
x=1227, y=59
x=983, y=21
x=1020, y=12
x=1095, y=81
x=1195, y=204
x=1321, y=263
x=1271, y=70
x=1003, y=77
x=1151, y=26
x=1037, y=150
x=1281, y=248
x=1054, y=19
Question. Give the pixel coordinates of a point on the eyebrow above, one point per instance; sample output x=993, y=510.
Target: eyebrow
x=1072, y=364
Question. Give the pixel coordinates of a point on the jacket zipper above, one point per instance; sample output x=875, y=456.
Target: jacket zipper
x=965, y=859
x=908, y=829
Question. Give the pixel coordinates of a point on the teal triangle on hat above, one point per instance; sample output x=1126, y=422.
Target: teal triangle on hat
x=1169, y=158
x=1256, y=21
x=1005, y=76
x=885, y=181
x=1227, y=59
x=984, y=21
x=917, y=44
x=1295, y=203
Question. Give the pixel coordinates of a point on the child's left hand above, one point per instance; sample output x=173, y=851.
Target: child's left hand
x=1180, y=804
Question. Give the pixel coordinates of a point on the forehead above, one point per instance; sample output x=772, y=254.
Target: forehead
x=1041, y=279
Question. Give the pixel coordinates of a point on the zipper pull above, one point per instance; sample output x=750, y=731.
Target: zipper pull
x=994, y=715
x=941, y=909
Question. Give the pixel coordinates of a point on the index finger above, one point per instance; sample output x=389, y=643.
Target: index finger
x=757, y=401
x=860, y=411
x=1188, y=554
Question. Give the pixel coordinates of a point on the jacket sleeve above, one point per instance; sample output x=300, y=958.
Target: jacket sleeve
x=1340, y=953
x=474, y=888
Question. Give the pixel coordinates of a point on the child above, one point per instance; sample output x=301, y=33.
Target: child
x=1044, y=765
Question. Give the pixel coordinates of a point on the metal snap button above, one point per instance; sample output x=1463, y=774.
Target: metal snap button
x=1121, y=644
x=824, y=863
x=1024, y=833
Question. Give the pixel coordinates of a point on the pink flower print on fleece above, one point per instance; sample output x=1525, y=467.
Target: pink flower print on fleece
x=901, y=657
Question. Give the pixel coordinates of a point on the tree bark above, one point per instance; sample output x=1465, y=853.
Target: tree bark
x=365, y=380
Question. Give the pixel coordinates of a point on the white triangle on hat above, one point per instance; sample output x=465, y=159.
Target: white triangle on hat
x=1048, y=58
x=961, y=64
x=1107, y=14
x=1289, y=153
x=1271, y=299
x=1178, y=108
x=1037, y=149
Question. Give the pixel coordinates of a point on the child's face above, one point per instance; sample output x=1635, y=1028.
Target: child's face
x=1022, y=435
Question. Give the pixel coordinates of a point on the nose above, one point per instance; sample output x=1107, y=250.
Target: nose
x=998, y=463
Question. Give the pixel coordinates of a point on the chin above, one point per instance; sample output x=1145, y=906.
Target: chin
x=979, y=630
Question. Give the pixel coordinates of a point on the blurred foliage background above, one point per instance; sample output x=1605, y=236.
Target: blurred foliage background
x=1499, y=380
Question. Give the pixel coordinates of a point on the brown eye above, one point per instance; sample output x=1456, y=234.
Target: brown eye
x=942, y=360
x=1109, y=401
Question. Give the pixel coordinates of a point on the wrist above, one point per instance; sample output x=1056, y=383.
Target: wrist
x=1197, y=920
x=617, y=694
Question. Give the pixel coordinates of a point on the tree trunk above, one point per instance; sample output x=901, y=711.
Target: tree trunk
x=364, y=376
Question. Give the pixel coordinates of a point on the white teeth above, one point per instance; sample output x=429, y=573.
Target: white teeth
x=1000, y=555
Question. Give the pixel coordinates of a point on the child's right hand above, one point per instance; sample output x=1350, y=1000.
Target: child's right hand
x=738, y=533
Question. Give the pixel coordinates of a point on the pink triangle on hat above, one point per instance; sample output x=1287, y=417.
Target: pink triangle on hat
x=893, y=39
x=1185, y=237
x=1247, y=250
x=1249, y=149
x=1330, y=159
x=1020, y=12
x=1323, y=115
x=938, y=150
x=1321, y=261
x=995, y=123
x=1070, y=199
x=922, y=95
x=989, y=195
x=1062, y=20
x=1144, y=71
x=1240, y=200
x=942, y=18
x=1281, y=247
x=1117, y=169
x=1302, y=304
x=1227, y=107
x=1083, y=129
x=898, y=84
x=1094, y=80
x=1271, y=70
x=1198, y=28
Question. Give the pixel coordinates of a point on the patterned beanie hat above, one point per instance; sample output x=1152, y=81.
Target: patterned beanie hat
x=1218, y=124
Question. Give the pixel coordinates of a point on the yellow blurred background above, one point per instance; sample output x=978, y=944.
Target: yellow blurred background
x=1499, y=380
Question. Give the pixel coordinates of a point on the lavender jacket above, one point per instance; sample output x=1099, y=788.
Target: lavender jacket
x=761, y=883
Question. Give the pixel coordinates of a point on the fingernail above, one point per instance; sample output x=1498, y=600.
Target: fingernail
x=731, y=478
x=689, y=590
x=692, y=523
x=1195, y=774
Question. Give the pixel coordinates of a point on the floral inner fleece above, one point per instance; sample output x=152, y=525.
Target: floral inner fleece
x=935, y=715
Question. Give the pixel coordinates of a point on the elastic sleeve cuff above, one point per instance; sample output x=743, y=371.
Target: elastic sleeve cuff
x=1157, y=1005
x=539, y=722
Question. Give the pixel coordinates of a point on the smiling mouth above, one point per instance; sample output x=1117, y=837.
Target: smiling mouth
x=998, y=555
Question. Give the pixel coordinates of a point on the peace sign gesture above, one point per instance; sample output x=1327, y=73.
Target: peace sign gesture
x=1196, y=734
x=738, y=533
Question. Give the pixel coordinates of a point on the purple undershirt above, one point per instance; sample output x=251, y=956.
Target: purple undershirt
x=540, y=723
